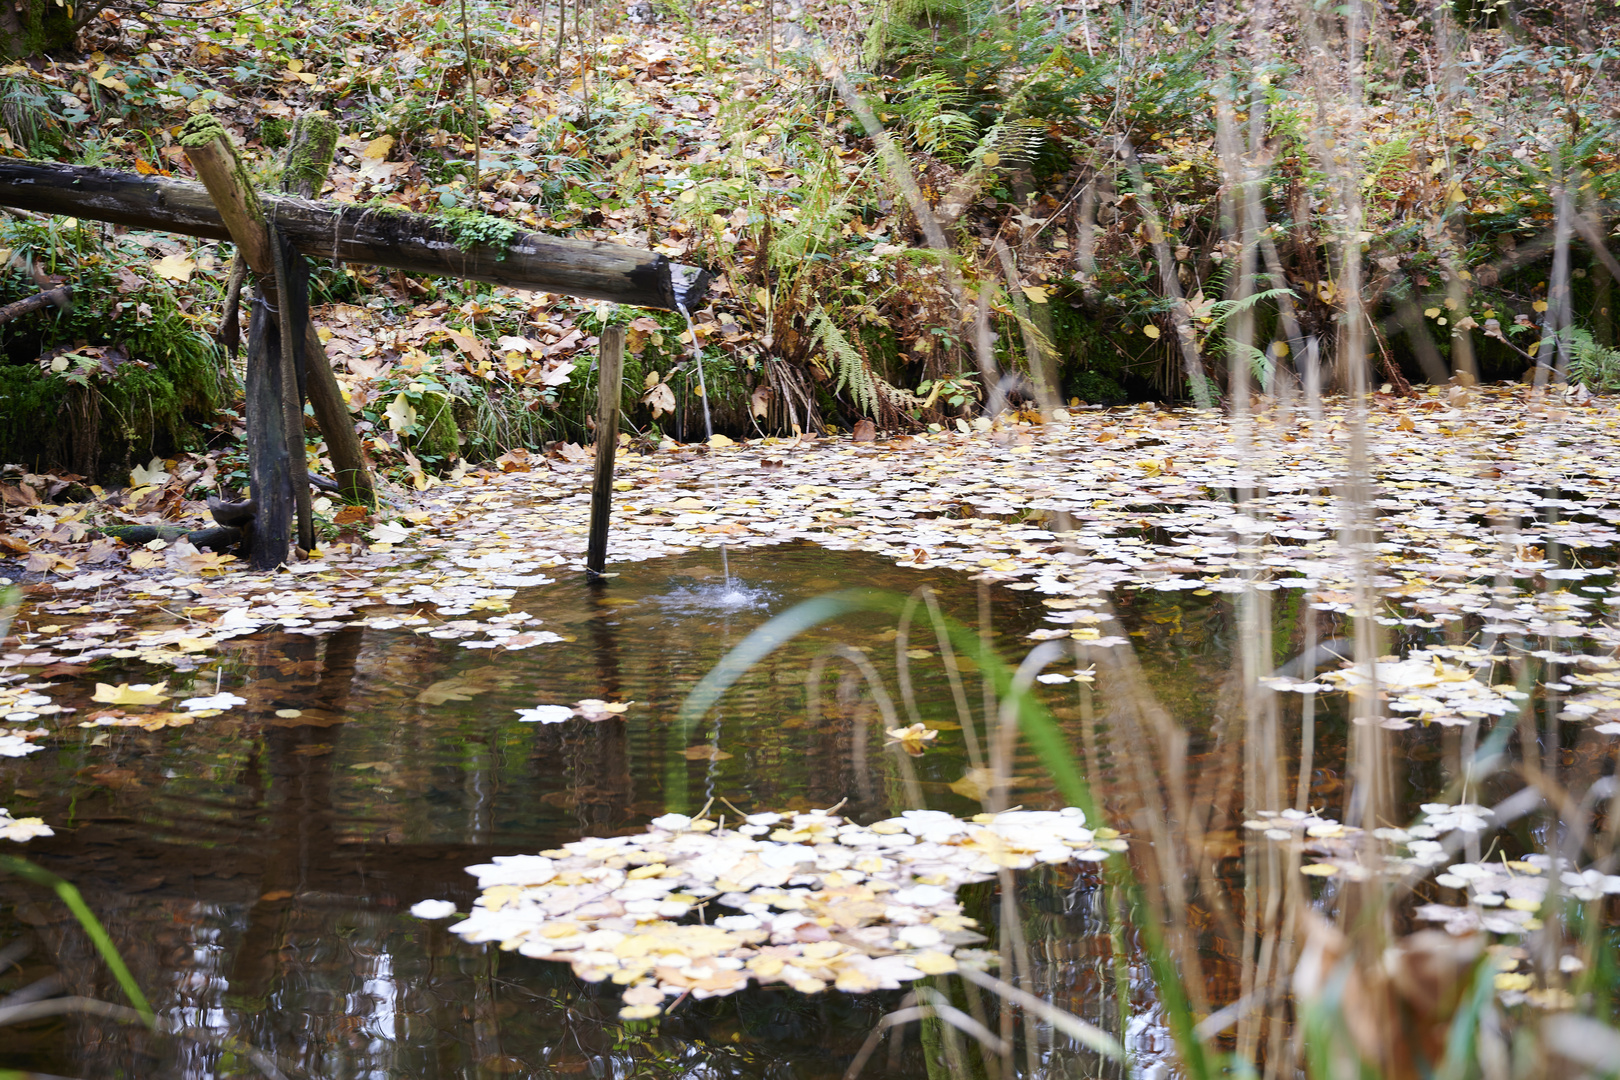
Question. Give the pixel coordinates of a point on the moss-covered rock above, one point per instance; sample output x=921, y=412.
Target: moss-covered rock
x=32, y=27
x=98, y=430
x=29, y=403
x=141, y=378
x=897, y=24
x=439, y=436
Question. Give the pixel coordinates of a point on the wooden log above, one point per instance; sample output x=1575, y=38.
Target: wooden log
x=231, y=513
x=309, y=157
x=609, y=384
x=292, y=285
x=208, y=148
x=345, y=232
x=275, y=448
x=221, y=538
x=269, y=456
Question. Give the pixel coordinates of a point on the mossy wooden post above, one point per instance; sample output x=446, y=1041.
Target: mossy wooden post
x=275, y=448
x=309, y=157
x=610, y=377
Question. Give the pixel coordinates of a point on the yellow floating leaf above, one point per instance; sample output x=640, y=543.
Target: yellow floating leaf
x=1320, y=869
x=643, y=995
x=766, y=966
x=125, y=694
x=933, y=963
x=975, y=784
x=855, y=981
x=1151, y=331
x=379, y=148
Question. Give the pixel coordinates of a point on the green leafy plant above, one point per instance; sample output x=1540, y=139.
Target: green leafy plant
x=1597, y=367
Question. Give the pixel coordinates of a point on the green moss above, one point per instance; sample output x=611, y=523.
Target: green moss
x=201, y=130
x=141, y=417
x=41, y=26
x=1089, y=366
x=134, y=416
x=29, y=405
x=469, y=228
x=160, y=381
x=439, y=437
x=314, y=140
x=273, y=132
x=576, y=399
x=885, y=48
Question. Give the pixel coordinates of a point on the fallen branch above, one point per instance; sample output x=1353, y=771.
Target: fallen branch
x=346, y=232
x=61, y=296
x=222, y=538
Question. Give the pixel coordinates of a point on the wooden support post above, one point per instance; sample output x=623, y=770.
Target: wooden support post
x=309, y=157
x=275, y=452
x=610, y=380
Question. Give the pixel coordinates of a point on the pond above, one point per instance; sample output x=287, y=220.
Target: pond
x=256, y=868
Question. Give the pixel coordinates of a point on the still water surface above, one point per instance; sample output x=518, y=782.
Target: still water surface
x=256, y=868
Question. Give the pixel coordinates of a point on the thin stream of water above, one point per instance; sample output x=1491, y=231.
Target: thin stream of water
x=708, y=424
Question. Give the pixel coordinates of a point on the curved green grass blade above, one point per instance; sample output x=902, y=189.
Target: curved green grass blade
x=1035, y=723
x=92, y=927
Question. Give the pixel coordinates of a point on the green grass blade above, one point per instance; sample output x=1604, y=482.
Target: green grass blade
x=1037, y=726
x=92, y=927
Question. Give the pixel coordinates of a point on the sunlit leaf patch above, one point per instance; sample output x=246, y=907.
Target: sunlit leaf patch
x=808, y=899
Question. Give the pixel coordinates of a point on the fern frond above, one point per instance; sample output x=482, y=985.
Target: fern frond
x=872, y=394
x=847, y=362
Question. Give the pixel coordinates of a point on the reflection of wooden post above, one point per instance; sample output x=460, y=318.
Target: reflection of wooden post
x=609, y=382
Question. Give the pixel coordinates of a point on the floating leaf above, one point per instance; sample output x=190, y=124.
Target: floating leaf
x=126, y=694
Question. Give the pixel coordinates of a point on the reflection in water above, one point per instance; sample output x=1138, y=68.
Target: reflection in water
x=255, y=869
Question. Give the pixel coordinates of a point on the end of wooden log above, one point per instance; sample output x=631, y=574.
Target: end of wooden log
x=200, y=130
x=227, y=513
x=690, y=284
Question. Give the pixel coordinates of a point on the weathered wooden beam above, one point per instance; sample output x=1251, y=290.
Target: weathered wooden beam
x=275, y=413
x=347, y=232
x=609, y=385
x=309, y=156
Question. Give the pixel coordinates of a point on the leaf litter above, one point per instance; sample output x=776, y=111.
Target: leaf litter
x=821, y=901
x=1471, y=497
